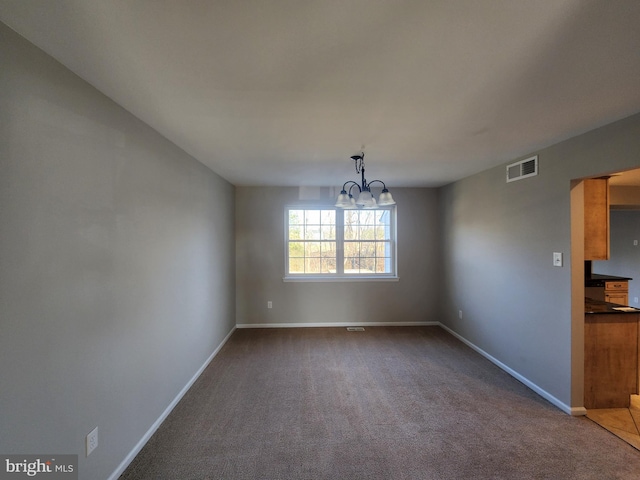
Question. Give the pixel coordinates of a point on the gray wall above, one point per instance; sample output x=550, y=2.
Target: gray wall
x=624, y=260
x=498, y=241
x=116, y=265
x=260, y=264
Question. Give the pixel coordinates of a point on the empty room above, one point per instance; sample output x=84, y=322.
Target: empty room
x=322, y=239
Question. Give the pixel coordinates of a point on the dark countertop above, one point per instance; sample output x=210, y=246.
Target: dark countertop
x=598, y=306
x=599, y=276
x=597, y=279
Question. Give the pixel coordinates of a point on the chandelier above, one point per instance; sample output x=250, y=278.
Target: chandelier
x=365, y=198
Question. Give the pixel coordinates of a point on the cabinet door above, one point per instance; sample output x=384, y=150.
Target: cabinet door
x=610, y=360
x=596, y=219
x=619, y=298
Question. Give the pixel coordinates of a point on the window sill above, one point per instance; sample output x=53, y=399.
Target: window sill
x=363, y=278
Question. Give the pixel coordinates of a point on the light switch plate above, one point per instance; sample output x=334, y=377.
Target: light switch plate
x=557, y=259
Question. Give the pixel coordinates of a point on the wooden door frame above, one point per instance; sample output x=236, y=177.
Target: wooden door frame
x=577, y=298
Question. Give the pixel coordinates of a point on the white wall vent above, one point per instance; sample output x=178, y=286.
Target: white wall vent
x=522, y=169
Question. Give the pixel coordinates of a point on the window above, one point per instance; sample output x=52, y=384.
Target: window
x=328, y=242
x=312, y=241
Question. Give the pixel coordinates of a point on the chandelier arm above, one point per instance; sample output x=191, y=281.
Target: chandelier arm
x=384, y=187
x=344, y=187
x=354, y=185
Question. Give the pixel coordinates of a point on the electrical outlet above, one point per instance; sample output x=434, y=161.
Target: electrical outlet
x=635, y=299
x=92, y=441
x=460, y=314
x=635, y=243
x=269, y=304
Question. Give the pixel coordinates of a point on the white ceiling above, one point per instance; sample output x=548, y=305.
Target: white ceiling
x=283, y=92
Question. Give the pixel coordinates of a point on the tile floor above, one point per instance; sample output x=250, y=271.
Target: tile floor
x=623, y=422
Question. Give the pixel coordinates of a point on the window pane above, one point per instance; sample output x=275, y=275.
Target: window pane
x=367, y=265
x=328, y=265
x=383, y=265
x=296, y=249
x=295, y=233
x=367, y=249
x=367, y=217
x=352, y=249
x=312, y=217
x=366, y=233
x=312, y=249
x=328, y=232
x=351, y=233
x=328, y=249
x=312, y=265
x=328, y=217
x=382, y=233
x=351, y=264
x=296, y=265
x=296, y=217
x=351, y=217
x=312, y=232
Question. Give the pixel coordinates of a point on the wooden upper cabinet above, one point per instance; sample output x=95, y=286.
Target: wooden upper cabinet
x=596, y=219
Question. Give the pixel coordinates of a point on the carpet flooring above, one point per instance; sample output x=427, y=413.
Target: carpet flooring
x=386, y=403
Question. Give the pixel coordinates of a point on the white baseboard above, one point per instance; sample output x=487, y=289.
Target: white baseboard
x=129, y=458
x=338, y=324
x=574, y=411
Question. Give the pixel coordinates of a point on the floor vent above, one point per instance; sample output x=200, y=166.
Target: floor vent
x=355, y=329
x=522, y=169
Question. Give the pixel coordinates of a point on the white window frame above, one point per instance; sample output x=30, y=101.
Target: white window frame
x=340, y=276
